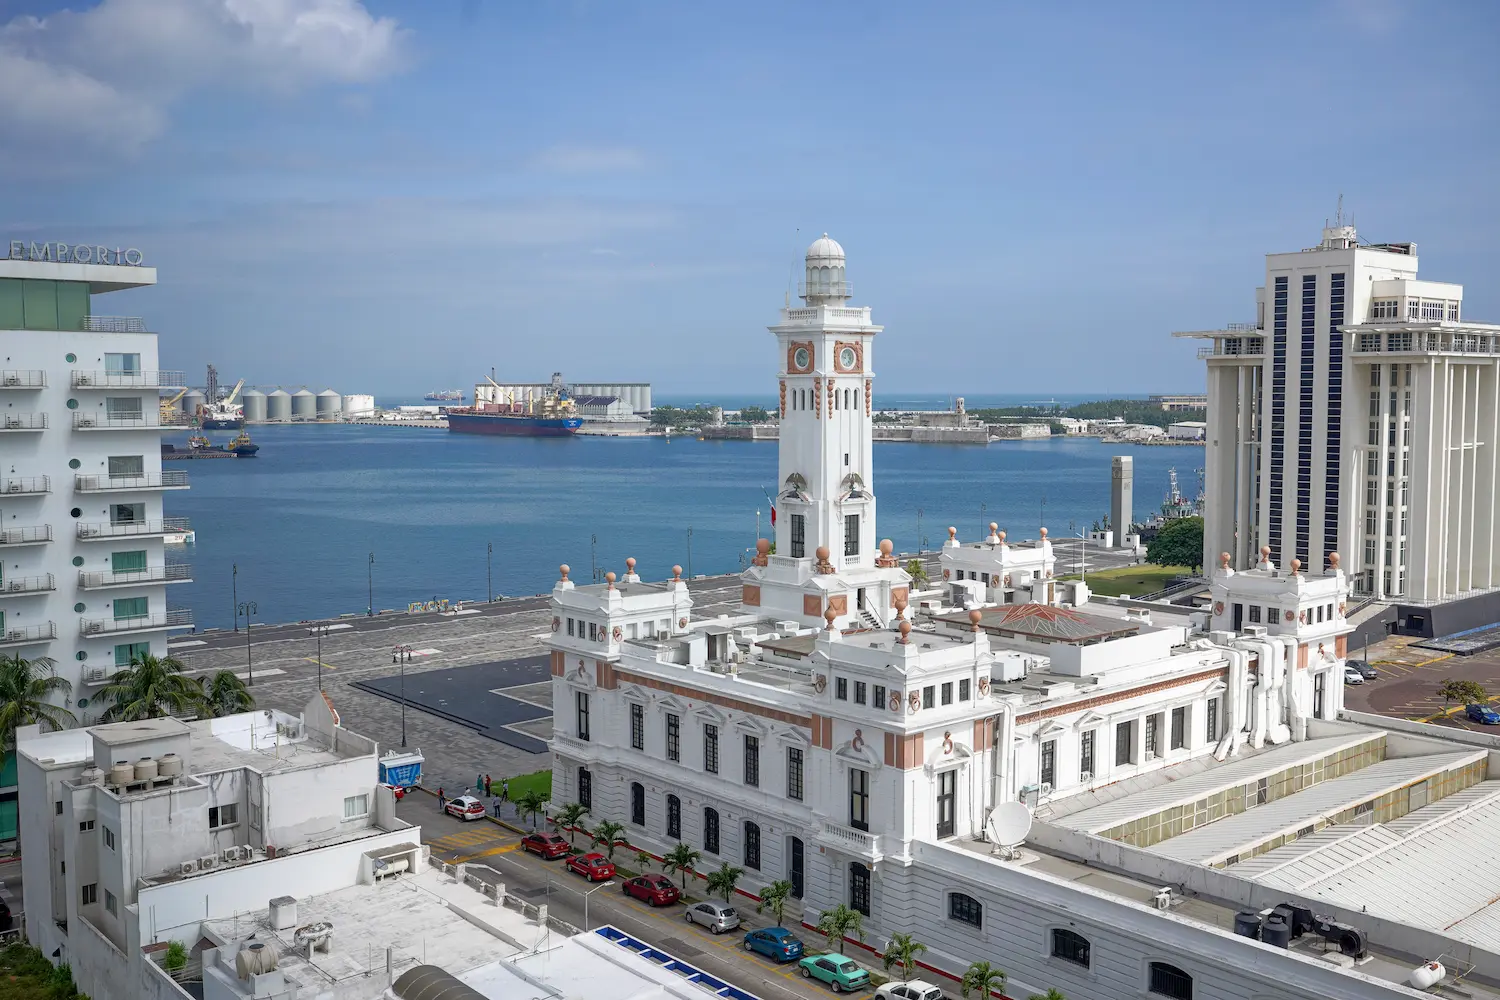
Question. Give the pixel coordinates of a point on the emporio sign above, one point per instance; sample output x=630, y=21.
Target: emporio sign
x=69, y=253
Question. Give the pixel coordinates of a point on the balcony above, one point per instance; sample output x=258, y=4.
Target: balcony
x=97, y=531
x=852, y=841
x=31, y=486
x=14, y=585
x=114, y=324
x=118, y=484
x=129, y=380
x=12, y=378
x=23, y=421
x=28, y=635
x=96, y=421
x=176, y=618
x=38, y=534
x=98, y=676
x=170, y=573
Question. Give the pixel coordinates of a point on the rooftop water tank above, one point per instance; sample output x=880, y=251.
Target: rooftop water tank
x=254, y=959
x=304, y=405
x=92, y=775
x=145, y=769
x=122, y=773
x=1247, y=924
x=278, y=405
x=1275, y=932
x=330, y=404
x=254, y=402
x=169, y=765
x=283, y=913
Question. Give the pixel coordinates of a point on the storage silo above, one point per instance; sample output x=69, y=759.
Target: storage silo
x=191, y=400
x=278, y=405
x=304, y=405
x=254, y=402
x=330, y=405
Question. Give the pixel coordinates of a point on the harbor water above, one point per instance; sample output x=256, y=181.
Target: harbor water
x=301, y=520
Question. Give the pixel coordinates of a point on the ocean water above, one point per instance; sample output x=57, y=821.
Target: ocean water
x=301, y=520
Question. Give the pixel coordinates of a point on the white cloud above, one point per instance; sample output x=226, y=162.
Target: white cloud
x=589, y=159
x=108, y=75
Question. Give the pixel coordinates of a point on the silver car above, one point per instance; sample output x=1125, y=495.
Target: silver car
x=717, y=917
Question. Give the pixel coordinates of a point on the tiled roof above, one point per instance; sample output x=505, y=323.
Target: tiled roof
x=1043, y=621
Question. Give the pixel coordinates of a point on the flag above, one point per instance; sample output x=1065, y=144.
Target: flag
x=772, y=504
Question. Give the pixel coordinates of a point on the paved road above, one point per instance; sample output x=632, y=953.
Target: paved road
x=537, y=881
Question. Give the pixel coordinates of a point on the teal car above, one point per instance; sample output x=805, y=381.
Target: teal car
x=837, y=971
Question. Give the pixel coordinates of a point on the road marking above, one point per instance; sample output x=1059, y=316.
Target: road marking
x=265, y=672
x=325, y=666
x=425, y=652
x=466, y=838
x=184, y=644
x=502, y=849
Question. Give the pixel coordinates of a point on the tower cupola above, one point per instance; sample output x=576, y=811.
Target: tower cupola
x=824, y=283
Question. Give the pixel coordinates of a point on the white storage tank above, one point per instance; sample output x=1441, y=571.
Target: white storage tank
x=122, y=773
x=145, y=769
x=278, y=405
x=191, y=400
x=254, y=402
x=304, y=405
x=169, y=765
x=329, y=405
x=92, y=775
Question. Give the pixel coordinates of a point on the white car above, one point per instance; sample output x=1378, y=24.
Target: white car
x=1352, y=676
x=465, y=807
x=913, y=990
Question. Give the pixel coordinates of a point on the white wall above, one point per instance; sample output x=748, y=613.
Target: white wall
x=303, y=805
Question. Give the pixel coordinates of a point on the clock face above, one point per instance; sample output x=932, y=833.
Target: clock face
x=847, y=358
x=802, y=359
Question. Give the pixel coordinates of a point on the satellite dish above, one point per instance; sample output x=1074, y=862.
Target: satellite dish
x=1008, y=825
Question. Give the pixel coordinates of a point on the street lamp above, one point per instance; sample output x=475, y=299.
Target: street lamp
x=594, y=557
x=585, y=895
x=489, y=573
x=370, y=574
x=1044, y=511
x=920, y=512
x=247, y=608
x=983, y=524
x=1083, y=564
x=318, y=631
x=690, y=553
x=234, y=594
x=402, y=655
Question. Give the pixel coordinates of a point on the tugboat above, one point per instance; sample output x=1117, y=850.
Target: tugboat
x=242, y=446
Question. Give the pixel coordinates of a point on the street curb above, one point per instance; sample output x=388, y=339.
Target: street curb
x=492, y=819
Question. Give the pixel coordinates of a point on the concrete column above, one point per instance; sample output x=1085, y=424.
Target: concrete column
x=1246, y=460
x=1402, y=471
x=1491, y=425
x=1122, y=489
x=1221, y=449
x=1384, y=556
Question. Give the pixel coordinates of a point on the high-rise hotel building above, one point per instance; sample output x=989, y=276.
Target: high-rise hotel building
x=1357, y=414
x=84, y=575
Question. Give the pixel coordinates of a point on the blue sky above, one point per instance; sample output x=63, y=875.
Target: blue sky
x=392, y=197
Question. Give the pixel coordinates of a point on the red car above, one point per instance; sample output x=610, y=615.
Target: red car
x=545, y=845
x=657, y=890
x=593, y=867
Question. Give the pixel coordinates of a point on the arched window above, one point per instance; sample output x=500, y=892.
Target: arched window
x=752, y=846
x=674, y=816
x=965, y=908
x=638, y=803
x=585, y=788
x=1170, y=981
x=859, y=888
x=711, y=831
x=1070, y=947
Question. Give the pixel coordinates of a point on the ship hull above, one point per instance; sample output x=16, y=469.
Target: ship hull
x=223, y=423
x=513, y=425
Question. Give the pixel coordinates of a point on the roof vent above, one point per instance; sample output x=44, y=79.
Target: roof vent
x=283, y=913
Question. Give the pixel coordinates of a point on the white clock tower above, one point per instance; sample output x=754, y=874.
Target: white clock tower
x=826, y=550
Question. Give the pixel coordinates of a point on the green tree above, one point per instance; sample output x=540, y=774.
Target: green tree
x=982, y=979
x=774, y=898
x=724, y=879
x=838, y=922
x=902, y=952
x=530, y=803
x=1463, y=692
x=755, y=414
x=611, y=835
x=150, y=688
x=225, y=694
x=1179, y=543
x=25, y=686
x=917, y=571
x=644, y=861
x=681, y=859
x=569, y=817
x=1052, y=994
x=176, y=957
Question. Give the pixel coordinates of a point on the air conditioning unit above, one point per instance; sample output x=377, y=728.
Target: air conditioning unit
x=207, y=861
x=1163, y=899
x=86, y=422
x=12, y=422
x=12, y=380
x=89, y=628
x=187, y=868
x=15, y=633
x=13, y=487
x=230, y=854
x=1086, y=776
x=17, y=585
x=81, y=379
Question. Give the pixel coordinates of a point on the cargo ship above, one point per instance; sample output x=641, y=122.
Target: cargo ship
x=550, y=413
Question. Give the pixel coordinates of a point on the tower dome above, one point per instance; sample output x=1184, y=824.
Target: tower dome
x=825, y=284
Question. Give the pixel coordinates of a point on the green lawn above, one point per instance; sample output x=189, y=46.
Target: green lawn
x=1134, y=580
x=523, y=783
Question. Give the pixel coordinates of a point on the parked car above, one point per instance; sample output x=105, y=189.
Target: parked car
x=776, y=943
x=465, y=807
x=594, y=866
x=657, y=890
x=1365, y=670
x=398, y=791
x=545, y=845
x=717, y=917
x=913, y=989
x=1352, y=676
x=1483, y=714
x=837, y=971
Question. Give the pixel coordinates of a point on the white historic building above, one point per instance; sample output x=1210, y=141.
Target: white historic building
x=858, y=746
x=1358, y=413
x=84, y=573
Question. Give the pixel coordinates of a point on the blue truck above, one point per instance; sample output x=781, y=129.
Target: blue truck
x=402, y=768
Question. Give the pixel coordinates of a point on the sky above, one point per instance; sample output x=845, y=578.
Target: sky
x=393, y=197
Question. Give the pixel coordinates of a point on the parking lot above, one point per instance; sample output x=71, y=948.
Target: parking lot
x=1409, y=678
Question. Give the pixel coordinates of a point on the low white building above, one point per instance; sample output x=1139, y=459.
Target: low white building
x=1187, y=430
x=995, y=571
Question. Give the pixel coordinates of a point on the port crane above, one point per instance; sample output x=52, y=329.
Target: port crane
x=169, y=408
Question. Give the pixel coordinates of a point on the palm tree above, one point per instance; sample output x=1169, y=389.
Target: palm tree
x=724, y=879
x=917, y=571
x=1051, y=994
x=24, y=689
x=530, y=803
x=834, y=924
x=226, y=694
x=643, y=860
x=149, y=688
x=982, y=979
x=611, y=835
x=903, y=951
x=773, y=897
x=568, y=817
x=681, y=859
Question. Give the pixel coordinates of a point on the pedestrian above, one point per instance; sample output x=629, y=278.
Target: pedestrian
x=440, y=798
x=495, y=805
x=487, y=790
x=504, y=789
